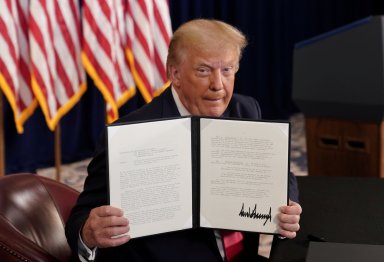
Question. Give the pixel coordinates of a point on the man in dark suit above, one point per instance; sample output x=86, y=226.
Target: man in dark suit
x=202, y=62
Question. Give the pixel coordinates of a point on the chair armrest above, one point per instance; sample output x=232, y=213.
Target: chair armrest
x=14, y=246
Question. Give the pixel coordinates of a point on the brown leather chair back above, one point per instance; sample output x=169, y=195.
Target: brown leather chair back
x=33, y=212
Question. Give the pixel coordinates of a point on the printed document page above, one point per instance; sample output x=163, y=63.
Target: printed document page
x=150, y=174
x=244, y=174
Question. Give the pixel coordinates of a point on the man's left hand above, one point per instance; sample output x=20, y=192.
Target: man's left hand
x=289, y=218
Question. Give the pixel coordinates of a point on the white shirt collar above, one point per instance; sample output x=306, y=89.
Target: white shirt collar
x=182, y=110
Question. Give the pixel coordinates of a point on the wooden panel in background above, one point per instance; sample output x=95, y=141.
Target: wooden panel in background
x=344, y=148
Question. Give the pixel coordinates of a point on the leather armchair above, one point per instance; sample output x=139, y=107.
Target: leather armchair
x=33, y=212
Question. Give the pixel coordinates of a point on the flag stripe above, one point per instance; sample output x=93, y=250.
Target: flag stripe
x=58, y=79
x=7, y=76
x=24, y=92
x=165, y=34
x=67, y=55
x=14, y=60
x=142, y=28
x=100, y=60
x=160, y=68
x=10, y=43
x=22, y=11
x=150, y=39
x=104, y=43
x=92, y=27
x=67, y=37
x=40, y=65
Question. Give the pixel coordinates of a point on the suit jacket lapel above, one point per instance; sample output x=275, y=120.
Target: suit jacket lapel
x=168, y=104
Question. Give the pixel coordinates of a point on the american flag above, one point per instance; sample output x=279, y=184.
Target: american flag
x=58, y=78
x=150, y=38
x=15, y=61
x=125, y=42
x=104, y=43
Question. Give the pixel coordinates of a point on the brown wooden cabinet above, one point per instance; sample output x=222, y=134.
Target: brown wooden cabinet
x=344, y=148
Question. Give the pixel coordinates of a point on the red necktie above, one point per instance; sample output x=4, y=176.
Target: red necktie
x=232, y=242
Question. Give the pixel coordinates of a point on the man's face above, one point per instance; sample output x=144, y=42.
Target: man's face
x=204, y=81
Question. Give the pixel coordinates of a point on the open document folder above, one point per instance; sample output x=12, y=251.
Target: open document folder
x=180, y=173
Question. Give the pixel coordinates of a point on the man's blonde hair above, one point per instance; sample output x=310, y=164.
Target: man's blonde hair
x=204, y=35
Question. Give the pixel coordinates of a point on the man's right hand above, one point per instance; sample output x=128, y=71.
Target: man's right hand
x=102, y=225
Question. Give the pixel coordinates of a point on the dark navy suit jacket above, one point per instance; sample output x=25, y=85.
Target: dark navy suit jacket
x=186, y=245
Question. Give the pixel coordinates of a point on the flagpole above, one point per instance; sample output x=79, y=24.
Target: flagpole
x=2, y=146
x=57, y=152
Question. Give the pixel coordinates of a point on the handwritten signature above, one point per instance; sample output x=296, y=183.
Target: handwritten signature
x=255, y=215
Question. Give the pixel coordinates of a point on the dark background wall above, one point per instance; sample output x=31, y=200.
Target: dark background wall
x=272, y=27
